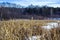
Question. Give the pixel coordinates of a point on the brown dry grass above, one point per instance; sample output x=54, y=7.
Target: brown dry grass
x=19, y=29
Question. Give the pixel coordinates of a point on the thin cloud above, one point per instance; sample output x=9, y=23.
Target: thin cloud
x=34, y=2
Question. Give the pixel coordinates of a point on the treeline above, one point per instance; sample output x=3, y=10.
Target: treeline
x=29, y=12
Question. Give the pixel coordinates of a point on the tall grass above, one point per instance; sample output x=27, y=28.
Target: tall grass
x=23, y=29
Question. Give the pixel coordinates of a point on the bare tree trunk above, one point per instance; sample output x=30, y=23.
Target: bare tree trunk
x=1, y=16
x=51, y=12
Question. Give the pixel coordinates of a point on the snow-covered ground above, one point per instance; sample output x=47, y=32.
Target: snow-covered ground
x=34, y=38
x=50, y=25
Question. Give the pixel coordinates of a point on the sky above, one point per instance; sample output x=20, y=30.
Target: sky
x=54, y=3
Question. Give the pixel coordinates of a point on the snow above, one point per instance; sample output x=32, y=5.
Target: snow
x=34, y=37
x=50, y=25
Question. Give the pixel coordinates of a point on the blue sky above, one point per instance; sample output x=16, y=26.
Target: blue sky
x=54, y=3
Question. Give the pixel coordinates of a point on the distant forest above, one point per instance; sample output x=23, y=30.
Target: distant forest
x=29, y=12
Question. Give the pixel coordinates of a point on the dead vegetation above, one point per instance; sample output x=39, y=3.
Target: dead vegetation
x=23, y=29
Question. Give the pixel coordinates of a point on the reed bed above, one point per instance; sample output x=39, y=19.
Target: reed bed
x=23, y=29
